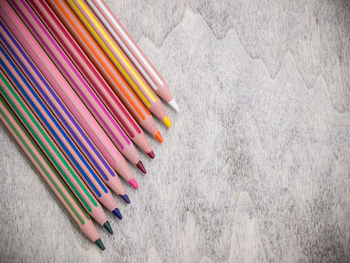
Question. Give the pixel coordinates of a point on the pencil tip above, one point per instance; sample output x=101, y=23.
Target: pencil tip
x=133, y=183
x=159, y=137
x=108, y=227
x=174, y=105
x=141, y=167
x=125, y=198
x=167, y=121
x=151, y=154
x=117, y=213
x=99, y=243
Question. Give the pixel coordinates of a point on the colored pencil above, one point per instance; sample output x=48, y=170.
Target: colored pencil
x=105, y=66
x=67, y=120
x=120, y=60
x=132, y=50
x=78, y=83
x=50, y=149
x=47, y=172
x=57, y=133
x=68, y=96
x=93, y=76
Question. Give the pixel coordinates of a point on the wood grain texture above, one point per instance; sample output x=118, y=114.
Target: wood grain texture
x=256, y=167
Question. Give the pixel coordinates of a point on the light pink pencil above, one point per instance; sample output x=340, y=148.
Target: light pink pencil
x=132, y=50
x=67, y=95
x=120, y=60
x=92, y=75
x=78, y=83
x=49, y=175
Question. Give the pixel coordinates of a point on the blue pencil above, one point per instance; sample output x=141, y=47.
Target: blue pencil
x=57, y=132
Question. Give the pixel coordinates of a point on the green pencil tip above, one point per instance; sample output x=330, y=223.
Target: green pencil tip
x=99, y=243
x=107, y=226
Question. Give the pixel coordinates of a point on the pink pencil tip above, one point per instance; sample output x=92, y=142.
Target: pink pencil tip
x=141, y=167
x=151, y=154
x=133, y=183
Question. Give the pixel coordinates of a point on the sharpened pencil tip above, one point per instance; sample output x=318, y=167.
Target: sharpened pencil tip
x=141, y=167
x=117, y=213
x=167, y=121
x=159, y=137
x=99, y=243
x=174, y=105
x=108, y=227
x=125, y=198
x=133, y=183
x=151, y=154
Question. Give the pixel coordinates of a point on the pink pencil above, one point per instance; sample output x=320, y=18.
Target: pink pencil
x=93, y=76
x=120, y=60
x=49, y=175
x=68, y=96
x=132, y=50
x=77, y=134
x=78, y=83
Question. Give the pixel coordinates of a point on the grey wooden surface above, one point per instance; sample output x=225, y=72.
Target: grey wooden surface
x=256, y=167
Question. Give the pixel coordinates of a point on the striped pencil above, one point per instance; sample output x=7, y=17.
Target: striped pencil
x=67, y=120
x=93, y=76
x=78, y=83
x=41, y=137
x=132, y=50
x=57, y=133
x=120, y=60
x=68, y=96
x=47, y=172
x=106, y=67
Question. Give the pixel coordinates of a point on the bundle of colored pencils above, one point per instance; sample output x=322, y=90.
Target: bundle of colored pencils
x=76, y=91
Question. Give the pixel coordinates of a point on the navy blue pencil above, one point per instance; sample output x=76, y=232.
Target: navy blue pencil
x=62, y=139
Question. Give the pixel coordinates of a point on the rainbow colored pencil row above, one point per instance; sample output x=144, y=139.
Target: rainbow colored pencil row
x=76, y=92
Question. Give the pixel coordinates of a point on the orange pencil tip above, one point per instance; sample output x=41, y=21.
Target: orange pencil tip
x=159, y=137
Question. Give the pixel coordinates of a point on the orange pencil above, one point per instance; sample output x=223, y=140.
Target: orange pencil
x=105, y=66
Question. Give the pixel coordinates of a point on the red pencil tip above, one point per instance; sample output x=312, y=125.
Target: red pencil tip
x=141, y=167
x=133, y=183
x=159, y=136
x=151, y=154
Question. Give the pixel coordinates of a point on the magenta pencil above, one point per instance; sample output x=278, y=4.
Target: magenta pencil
x=93, y=76
x=120, y=60
x=132, y=50
x=47, y=172
x=78, y=83
x=68, y=96
x=52, y=101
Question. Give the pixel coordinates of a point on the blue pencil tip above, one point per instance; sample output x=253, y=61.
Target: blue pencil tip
x=117, y=213
x=125, y=198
